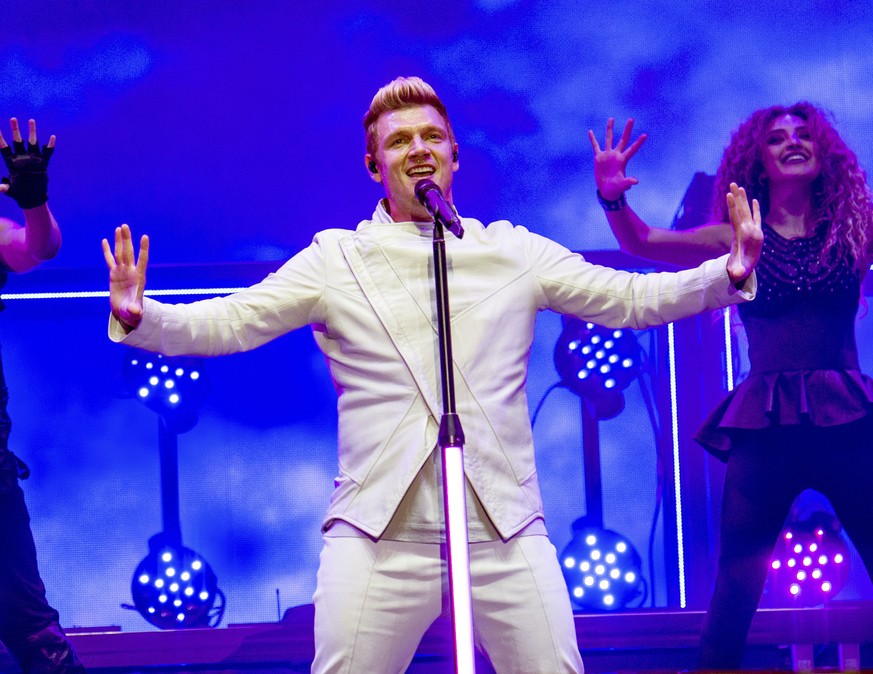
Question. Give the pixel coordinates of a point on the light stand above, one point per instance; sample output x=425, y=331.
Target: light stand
x=173, y=586
x=600, y=566
x=168, y=450
x=591, y=464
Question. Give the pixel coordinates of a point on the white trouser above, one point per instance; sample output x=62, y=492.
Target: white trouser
x=375, y=600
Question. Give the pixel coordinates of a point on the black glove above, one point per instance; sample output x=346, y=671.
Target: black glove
x=28, y=180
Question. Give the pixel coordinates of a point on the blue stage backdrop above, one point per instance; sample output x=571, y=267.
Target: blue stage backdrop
x=231, y=133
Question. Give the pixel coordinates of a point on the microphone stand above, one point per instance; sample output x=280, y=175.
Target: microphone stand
x=451, y=443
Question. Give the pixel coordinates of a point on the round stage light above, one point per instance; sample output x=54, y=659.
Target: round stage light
x=174, y=587
x=171, y=386
x=810, y=563
x=602, y=569
x=597, y=363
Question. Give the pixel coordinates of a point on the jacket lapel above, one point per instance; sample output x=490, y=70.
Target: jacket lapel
x=403, y=318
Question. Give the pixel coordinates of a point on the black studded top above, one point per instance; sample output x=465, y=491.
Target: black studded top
x=802, y=351
x=803, y=316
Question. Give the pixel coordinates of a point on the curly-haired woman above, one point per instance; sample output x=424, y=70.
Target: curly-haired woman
x=802, y=418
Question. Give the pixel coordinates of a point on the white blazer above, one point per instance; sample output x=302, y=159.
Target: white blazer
x=369, y=296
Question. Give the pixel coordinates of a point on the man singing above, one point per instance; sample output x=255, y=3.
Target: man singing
x=368, y=295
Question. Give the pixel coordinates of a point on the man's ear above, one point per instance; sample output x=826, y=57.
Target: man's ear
x=372, y=168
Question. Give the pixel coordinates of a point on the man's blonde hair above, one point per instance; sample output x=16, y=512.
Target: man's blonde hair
x=403, y=92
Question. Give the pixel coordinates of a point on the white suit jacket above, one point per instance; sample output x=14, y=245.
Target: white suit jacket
x=369, y=296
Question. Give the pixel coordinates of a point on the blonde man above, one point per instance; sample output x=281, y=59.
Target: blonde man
x=367, y=293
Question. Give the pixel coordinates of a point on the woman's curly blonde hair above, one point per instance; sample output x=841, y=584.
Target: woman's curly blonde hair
x=840, y=196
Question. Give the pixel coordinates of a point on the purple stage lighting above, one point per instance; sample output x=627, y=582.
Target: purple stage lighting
x=810, y=563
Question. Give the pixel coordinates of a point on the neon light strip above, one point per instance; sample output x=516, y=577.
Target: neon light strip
x=728, y=354
x=455, y=500
x=677, y=480
x=85, y=294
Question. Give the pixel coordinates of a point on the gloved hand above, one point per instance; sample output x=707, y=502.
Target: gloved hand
x=28, y=179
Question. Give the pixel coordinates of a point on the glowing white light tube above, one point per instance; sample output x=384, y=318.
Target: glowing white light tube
x=459, y=558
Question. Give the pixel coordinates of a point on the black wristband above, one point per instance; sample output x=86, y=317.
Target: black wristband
x=614, y=205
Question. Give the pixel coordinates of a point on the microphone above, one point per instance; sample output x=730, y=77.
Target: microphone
x=431, y=197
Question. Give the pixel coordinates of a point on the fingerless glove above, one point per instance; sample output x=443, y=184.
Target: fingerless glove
x=28, y=179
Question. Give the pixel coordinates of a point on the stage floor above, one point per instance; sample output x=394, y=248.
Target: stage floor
x=837, y=638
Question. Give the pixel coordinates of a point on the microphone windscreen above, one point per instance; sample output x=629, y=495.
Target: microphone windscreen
x=422, y=187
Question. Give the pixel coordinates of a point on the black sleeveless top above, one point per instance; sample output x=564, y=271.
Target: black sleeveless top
x=11, y=467
x=802, y=350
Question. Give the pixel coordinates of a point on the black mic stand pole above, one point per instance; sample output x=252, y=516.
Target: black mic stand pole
x=451, y=443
